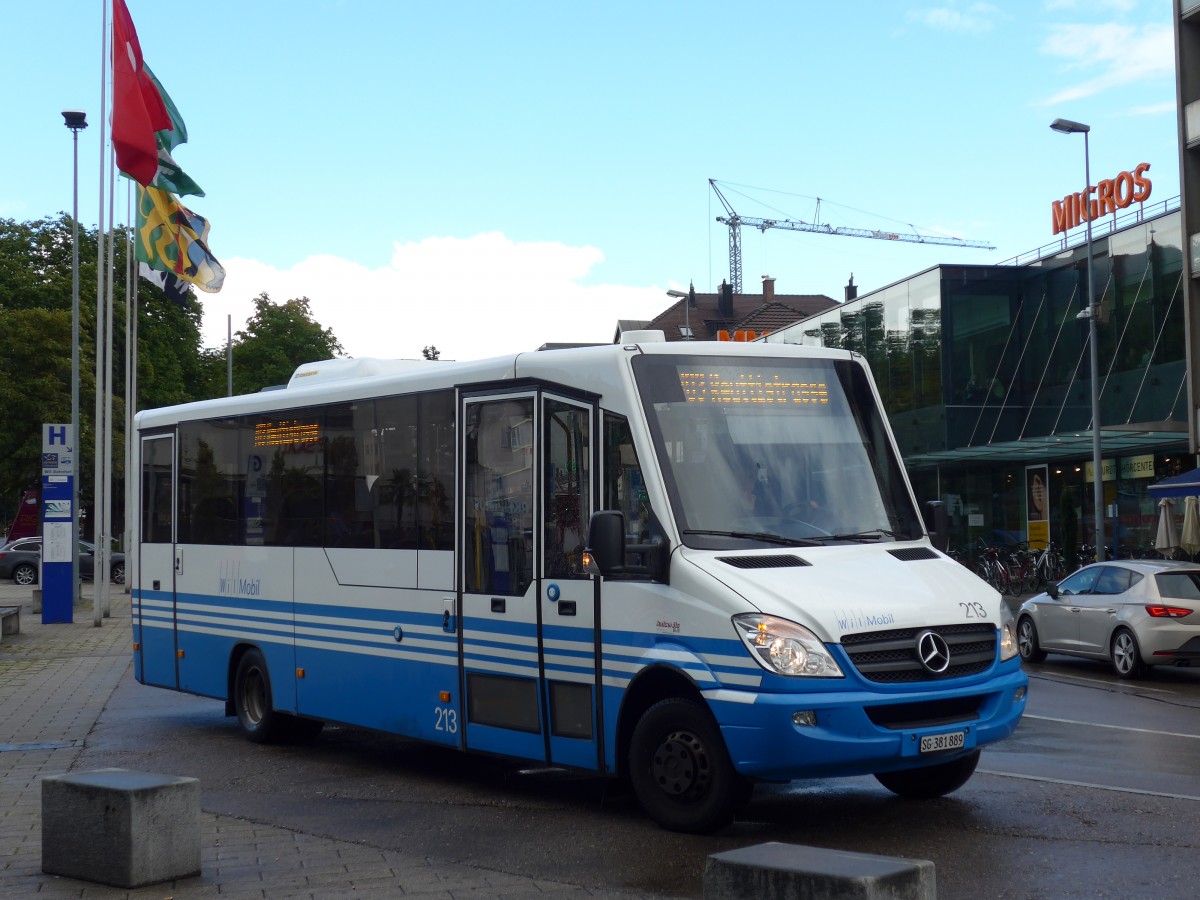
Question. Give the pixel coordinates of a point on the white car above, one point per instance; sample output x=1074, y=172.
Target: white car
x=1132, y=612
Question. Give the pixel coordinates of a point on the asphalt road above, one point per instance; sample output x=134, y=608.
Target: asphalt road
x=1097, y=795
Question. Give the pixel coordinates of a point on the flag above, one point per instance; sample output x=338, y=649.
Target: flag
x=169, y=176
x=172, y=238
x=138, y=108
x=175, y=289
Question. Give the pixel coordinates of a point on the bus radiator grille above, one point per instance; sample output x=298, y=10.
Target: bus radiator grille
x=890, y=657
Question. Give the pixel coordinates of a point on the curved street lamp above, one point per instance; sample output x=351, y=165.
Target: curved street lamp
x=1090, y=312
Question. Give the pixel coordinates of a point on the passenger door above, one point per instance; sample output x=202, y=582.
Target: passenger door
x=153, y=593
x=1058, y=625
x=568, y=595
x=527, y=609
x=498, y=609
x=1098, y=610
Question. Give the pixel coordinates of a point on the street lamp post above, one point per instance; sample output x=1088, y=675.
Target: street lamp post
x=1090, y=312
x=76, y=120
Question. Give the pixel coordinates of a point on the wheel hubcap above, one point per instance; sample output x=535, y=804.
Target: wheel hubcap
x=1123, y=654
x=252, y=698
x=680, y=764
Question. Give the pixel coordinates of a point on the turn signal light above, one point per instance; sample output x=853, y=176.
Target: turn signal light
x=1168, y=612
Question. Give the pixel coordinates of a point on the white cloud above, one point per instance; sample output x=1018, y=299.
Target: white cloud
x=1116, y=54
x=971, y=18
x=470, y=297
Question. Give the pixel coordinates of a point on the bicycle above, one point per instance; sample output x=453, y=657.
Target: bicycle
x=1048, y=567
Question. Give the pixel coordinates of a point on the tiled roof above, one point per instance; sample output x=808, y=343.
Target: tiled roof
x=705, y=319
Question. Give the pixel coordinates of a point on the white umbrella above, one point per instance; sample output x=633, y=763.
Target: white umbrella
x=1189, y=538
x=1167, y=539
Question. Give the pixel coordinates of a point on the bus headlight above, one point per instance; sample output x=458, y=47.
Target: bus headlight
x=784, y=647
x=1008, y=633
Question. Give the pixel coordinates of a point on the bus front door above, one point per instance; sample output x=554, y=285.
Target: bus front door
x=527, y=611
x=154, y=578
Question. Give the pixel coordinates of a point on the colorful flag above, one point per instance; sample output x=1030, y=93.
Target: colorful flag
x=138, y=108
x=172, y=238
x=175, y=289
x=169, y=176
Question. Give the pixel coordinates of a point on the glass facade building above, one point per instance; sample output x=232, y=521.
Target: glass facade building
x=985, y=374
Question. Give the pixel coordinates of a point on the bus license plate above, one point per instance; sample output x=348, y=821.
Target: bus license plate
x=932, y=743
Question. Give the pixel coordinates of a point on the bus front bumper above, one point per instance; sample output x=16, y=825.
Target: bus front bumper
x=770, y=738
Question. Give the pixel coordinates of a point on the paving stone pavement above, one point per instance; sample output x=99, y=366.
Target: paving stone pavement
x=54, y=683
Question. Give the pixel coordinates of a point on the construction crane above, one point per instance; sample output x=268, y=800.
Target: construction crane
x=735, y=223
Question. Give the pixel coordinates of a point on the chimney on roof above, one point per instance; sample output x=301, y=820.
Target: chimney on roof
x=725, y=300
x=768, y=288
x=851, y=289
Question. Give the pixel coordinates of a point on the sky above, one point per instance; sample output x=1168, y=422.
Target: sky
x=489, y=177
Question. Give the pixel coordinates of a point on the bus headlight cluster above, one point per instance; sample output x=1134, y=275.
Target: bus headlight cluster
x=1008, y=633
x=784, y=647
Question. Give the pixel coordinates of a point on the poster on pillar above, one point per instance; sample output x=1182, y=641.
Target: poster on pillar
x=1037, y=506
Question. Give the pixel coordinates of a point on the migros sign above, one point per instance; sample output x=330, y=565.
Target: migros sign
x=1108, y=196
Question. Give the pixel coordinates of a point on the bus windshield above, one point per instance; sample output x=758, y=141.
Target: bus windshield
x=760, y=452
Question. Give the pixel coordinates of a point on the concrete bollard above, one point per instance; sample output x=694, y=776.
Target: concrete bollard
x=37, y=601
x=120, y=827
x=776, y=871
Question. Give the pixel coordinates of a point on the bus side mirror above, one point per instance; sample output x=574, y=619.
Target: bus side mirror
x=606, y=542
x=937, y=523
x=606, y=550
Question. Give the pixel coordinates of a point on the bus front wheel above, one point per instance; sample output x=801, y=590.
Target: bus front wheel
x=929, y=782
x=256, y=716
x=680, y=769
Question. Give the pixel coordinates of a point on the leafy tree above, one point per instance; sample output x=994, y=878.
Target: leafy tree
x=35, y=350
x=278, y=337
x=431, y=352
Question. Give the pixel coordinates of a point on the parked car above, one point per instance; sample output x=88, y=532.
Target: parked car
x=1133, y=613
x=19, y=561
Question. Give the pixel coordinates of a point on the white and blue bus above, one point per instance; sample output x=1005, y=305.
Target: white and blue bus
x=696, y=566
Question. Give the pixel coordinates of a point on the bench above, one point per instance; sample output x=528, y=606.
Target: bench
x=10, y=620
x=121, y=827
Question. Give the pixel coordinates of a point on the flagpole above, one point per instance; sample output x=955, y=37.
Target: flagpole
x=97, y=609
x=130, y=385
x=100, y=576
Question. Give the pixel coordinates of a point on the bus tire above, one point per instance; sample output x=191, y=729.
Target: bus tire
x=929, y=782
x=680, y=769
x=253, y=702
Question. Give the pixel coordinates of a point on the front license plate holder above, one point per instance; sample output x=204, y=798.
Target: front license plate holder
x=938, y=743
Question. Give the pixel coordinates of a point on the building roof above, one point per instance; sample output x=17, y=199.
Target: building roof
x=755, y=312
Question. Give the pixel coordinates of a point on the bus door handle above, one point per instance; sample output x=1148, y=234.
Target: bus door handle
x=498, y=604
x=566, y=607
x=449, y=623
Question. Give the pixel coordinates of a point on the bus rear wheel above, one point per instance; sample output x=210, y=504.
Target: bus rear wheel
x=680, y=769
x=252, y=700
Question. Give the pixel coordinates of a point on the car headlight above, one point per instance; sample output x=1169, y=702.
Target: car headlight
x=784, y=647
x=1008, y=633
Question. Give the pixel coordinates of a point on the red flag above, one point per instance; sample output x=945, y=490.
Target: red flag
x=138, y=108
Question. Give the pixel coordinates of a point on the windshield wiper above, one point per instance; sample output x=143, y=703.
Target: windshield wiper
x=764, y=536
x=862, y=536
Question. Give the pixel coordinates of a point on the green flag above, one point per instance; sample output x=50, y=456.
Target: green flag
x=169, y=176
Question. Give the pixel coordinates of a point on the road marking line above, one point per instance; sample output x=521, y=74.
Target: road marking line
x=1194, y=737
x=1086, y=784
x=1132, y=689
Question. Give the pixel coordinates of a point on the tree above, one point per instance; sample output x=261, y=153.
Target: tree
x=278, y=337
x=35, y=349
x=431, y=352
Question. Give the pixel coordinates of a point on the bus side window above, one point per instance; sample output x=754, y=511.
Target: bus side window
x=624, y=488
